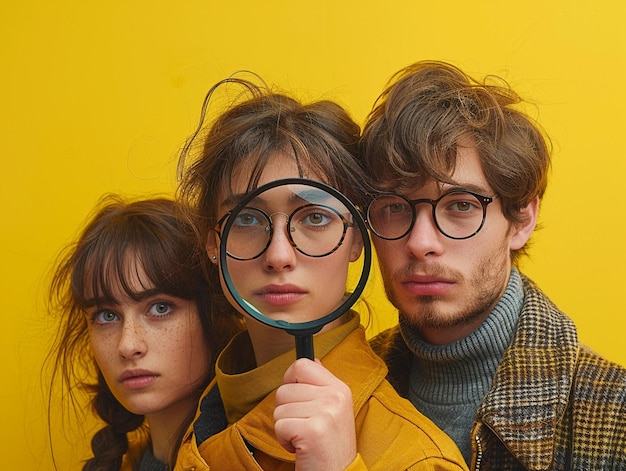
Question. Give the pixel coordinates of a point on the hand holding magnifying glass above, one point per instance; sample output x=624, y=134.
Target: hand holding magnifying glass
x=316, y=221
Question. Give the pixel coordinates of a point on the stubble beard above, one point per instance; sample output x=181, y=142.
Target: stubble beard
x=485, y=287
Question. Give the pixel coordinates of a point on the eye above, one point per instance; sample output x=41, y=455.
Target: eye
x=160, y=309
x=316, y=217
x=104, y=316
x=246, y=218
x=397, y=208
x=460, y=204
x=249, y=222
x=388, y=207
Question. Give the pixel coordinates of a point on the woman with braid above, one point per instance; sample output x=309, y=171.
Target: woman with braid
x=136, y=330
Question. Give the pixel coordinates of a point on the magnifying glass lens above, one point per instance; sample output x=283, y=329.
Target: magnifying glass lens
x=282, y=221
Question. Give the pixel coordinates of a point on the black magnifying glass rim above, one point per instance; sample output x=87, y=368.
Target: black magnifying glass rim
x=309, y=327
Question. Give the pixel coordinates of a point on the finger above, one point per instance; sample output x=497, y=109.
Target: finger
x=296, y=392
x=310, y=372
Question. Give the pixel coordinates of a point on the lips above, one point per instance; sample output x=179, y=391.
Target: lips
x=280, y=295
x=137, y=378
x=426, y=285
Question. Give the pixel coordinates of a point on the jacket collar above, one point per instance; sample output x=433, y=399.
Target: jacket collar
x=349, y=361
x=236, y=367
x=529, y=393
x=530, y=390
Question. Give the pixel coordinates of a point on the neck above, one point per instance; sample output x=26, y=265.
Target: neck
x=449, y=367
x=270, y=342
x=448, y=335
x=166, y=428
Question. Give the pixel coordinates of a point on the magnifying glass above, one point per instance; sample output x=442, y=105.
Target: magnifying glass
x=315, y=220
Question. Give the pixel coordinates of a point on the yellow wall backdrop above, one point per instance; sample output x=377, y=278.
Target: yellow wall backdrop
x=97, y=97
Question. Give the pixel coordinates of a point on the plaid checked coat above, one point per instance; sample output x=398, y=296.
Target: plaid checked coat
x=553, y=404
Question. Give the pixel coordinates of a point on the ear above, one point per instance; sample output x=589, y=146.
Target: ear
x=212, y=247
x=357, y=247
x=521, y=232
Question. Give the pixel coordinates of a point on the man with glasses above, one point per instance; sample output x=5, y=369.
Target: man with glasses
x=479, y=348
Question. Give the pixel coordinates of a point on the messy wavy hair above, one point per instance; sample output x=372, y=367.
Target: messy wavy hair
x=153, y=231
x=428, y=108
x=256, y=123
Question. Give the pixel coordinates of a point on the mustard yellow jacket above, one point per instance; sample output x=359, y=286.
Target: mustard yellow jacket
x=391, y=433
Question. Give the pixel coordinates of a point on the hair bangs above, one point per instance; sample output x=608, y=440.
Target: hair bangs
x=133, y=256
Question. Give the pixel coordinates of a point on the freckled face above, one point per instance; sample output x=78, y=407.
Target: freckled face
x=152, y=352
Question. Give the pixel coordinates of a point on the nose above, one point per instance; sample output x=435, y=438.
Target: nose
x=280, y=254
x=132, y=343
x=424, y=240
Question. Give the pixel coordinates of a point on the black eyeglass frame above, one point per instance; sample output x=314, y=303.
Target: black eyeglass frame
x=218, y=228
x=484, y=200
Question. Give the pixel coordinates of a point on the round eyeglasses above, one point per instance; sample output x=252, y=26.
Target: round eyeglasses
x=458, y=214
x=315, y=230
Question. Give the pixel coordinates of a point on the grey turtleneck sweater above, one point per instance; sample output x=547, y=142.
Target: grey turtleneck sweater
x=448, y=382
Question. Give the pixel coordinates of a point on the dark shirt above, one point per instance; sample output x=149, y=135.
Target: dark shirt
x=150, y=463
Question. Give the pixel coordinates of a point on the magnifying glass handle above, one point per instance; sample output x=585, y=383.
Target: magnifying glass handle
x=304, y=346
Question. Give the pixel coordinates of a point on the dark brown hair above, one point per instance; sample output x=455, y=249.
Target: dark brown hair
x=428, y=108
x=153, y=232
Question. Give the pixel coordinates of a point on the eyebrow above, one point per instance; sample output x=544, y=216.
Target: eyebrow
x=307, y=195
x=446, y=188
x=232, y=200
x=138, y=296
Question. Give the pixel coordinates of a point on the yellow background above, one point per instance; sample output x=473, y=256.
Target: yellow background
x=98, y=96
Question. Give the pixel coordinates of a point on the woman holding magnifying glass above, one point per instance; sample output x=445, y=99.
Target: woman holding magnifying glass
x=288, y=254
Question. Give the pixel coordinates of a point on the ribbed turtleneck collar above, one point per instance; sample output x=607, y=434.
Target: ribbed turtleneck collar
x=457, y=372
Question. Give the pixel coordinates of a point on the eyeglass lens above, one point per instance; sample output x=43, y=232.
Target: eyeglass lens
x=457, y=215
x=313, y=229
